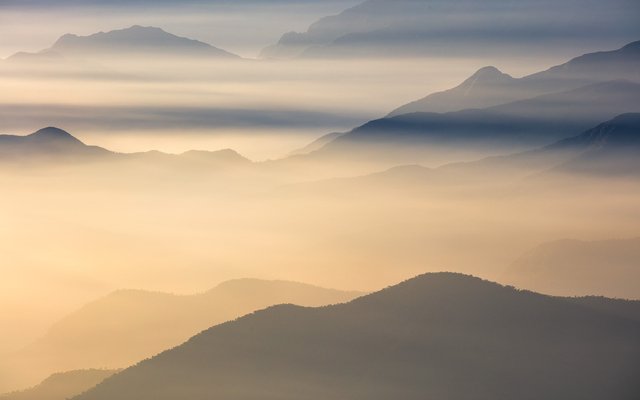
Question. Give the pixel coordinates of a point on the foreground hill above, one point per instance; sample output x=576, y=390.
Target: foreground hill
x=62, y=386
x=490, y=87
x=135, y=41
x=127, y=326
x=435, y=336
x=573, y=267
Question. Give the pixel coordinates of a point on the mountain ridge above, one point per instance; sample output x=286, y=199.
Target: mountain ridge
x=406, y=342
x=55, y=144
x=135, y=39
x=622, y=63
x=126, y=326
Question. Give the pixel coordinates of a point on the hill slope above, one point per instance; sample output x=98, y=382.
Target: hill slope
x=128, y=326
x=62, y=386
x=434, y=336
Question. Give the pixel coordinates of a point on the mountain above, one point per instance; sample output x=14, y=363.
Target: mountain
x=611, y=149
x=62, y=386
x=435, y=336
x=608, y=151
x=46, y=144
x=434, y=138
x=134, y=41
x=436, y=28
x=487, y=87
x=54, y=144
x=578, y=268
x=490, y=87
x=127, y=326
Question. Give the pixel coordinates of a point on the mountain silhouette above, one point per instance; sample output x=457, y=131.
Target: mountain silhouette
x=127, y=326
x=420, y=137
x=62, y=385
x=490, y=87
x=47, y=143
x=54, y=144
x=607, y=150
x=574, y=267
x=486, y=87
x=135, y=40
x=611, y=148
x=409, y=28
x=434, y=336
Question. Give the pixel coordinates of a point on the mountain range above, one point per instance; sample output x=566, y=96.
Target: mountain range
x=135, y=41
x=434, y=336
x=436, y=28
x=606, y=152
x=127, y=326
x=492, y=113
x=53, y=144
x=491, y=87
x=608, y=149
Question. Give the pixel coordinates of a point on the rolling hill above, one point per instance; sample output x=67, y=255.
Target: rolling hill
x=434, y=336
x=62, y=386
x=127, y=326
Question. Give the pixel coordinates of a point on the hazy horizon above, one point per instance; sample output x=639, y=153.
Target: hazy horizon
x=150, y=151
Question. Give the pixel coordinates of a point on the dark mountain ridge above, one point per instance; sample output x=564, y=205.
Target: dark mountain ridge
x=432, y=336
x=128, y=325
x=427, y=137
x=47, y=143
x=437, y=335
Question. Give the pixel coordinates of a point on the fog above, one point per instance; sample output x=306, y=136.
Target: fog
x=71, y=234
x=137, y=106
x=199, y=176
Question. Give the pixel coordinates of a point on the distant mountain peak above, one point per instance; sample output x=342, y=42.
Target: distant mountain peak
x=136, y=38
x=53, y=134
x=489, y=74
